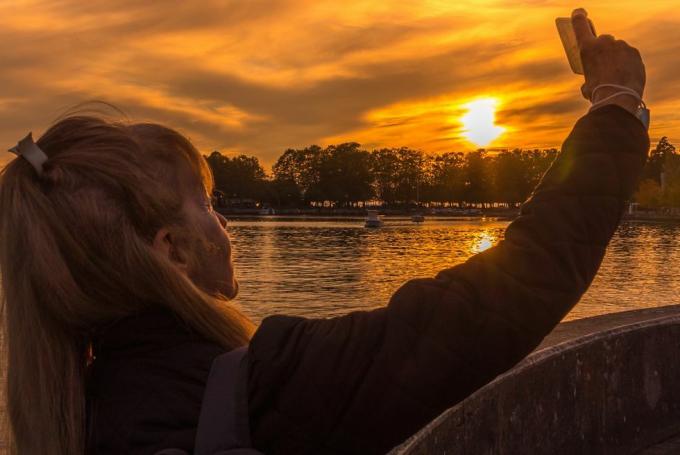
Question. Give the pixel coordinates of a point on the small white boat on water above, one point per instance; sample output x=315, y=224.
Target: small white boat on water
x=373, y=220
x=418, y=218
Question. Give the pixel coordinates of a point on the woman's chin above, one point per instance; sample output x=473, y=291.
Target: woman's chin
x=231, y=291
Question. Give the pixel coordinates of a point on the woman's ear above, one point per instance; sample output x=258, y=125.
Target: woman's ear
x=165, y=245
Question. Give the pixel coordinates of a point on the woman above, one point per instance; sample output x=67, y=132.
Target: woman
x=117, y=275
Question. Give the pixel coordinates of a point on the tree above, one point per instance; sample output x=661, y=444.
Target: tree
x=476, y=177
x=384, y=165
x=537, y=162
x=408, y=175
x=648, y=194
x=657, y=157
x=671, y=180
x=238, y=177
x=283, y=193
x=447, y=183
x=345, y=174
x=510, y=175
x=300, y=168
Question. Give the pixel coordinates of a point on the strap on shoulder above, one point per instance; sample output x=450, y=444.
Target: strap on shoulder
x=223, y=423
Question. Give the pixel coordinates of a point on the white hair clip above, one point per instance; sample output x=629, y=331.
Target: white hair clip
x=31, y=152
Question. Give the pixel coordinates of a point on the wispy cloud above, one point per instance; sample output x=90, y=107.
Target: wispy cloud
x=259, y=76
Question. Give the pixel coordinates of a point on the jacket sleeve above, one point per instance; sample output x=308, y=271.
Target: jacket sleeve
x=364, y=382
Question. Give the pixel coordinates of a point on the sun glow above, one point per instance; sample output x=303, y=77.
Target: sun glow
x=479, y=122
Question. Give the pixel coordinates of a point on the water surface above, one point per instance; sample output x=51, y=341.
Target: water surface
x=328, y=267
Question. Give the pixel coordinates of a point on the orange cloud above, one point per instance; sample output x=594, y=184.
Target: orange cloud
x=259, y=76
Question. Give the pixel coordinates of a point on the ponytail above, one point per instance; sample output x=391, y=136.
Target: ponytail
x=75, y=255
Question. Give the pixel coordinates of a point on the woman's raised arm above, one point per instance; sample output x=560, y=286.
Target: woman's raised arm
x=364, y=382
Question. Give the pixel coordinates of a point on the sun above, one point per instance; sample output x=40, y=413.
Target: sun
x=479, y=123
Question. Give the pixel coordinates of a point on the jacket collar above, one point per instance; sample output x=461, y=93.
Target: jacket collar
x=153, y=328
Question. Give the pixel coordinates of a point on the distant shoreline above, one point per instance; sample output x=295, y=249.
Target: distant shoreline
x=498, y=214
x=505, y=214
x=651, y=217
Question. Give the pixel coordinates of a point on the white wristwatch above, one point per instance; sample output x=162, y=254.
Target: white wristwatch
x=642, y=112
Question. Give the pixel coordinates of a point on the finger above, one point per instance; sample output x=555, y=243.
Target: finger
x=584, y=33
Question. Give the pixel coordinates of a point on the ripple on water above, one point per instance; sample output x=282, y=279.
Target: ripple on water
x=327, y=268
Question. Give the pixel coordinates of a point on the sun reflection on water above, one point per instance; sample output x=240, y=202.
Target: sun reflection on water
x=482, y=241
x=325, y=268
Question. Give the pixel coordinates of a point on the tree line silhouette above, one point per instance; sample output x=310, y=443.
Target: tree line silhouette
x=660, y=184
x=346, y=175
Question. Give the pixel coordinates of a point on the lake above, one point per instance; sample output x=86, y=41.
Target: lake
x=327, y=267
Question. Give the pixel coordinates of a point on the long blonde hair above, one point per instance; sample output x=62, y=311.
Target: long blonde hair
x=76, y=254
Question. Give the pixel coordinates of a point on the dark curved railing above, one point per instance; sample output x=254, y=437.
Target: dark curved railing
x=603, y=385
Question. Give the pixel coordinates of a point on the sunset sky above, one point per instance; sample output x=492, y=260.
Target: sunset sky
x=257, y=77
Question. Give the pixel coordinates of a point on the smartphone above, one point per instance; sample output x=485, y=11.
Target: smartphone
x=568, y=37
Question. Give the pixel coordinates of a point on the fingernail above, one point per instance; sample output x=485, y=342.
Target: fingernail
x=579, y=12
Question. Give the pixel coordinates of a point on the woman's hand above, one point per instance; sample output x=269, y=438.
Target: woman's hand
x=607, y=60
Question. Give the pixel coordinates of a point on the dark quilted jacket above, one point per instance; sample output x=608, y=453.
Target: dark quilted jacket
x=364, y=382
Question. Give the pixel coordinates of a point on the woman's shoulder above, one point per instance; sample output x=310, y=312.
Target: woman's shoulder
x=146, y=384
